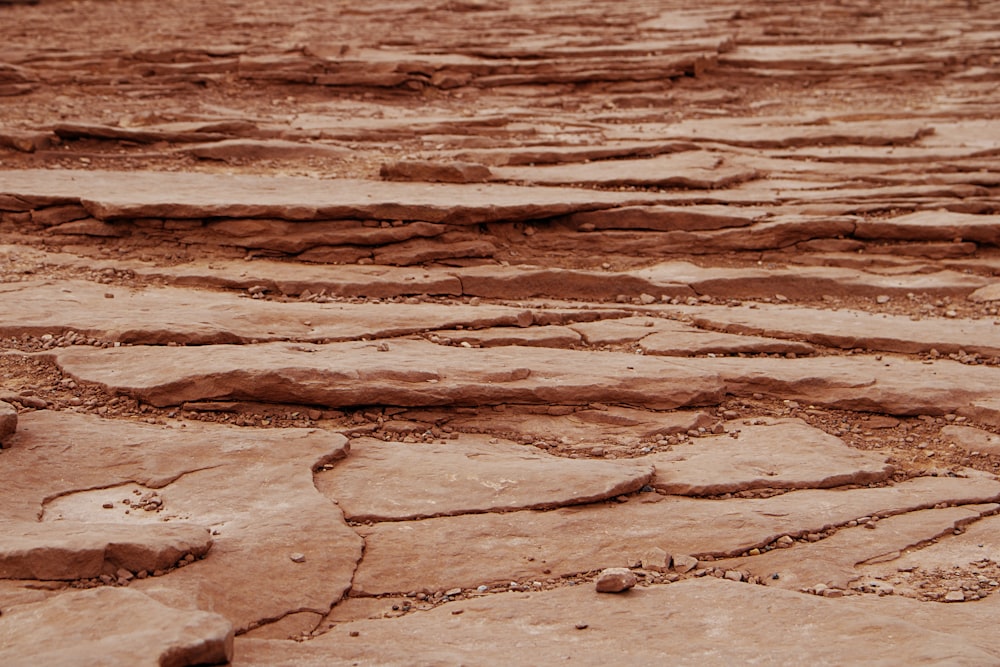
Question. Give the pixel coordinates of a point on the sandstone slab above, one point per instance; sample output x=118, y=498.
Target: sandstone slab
x=694, y=169
x=160, y=315
x=253, y=489
x=775, y=454
x=849, y=329
x=70, y=550
x=112, y=626
x=471, y=550
x=722, y=623
x=387, y=481
x=543, y=336
x=128, y=195
x=940, y=225
x=418, y=373
x=836, y=560
x=972, y=439
x=410, y=373
x=8, y=421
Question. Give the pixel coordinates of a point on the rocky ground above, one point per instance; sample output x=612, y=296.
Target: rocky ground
x=340, y=333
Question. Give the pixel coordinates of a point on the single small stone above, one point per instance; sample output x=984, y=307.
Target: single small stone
x=453, y=592
x=734, y=575
x=684, y=564
x=785, y=541
x=883, y=298
x=647, y=299
x=615, y=580
x=656, y=559
x=8, y=421
x=297, y=557
x=108, y=506
x=482, y=589
x=581, y=626
x=833, y=593
x=354, y=633
x=955, y=596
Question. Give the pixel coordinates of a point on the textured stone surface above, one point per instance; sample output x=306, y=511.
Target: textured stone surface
x=785, y=454
x=388, y=481
x=110, y=626
x=254, y=490
x=722, y=623
x=472, y=550
x=8, y=421
x=69, y=550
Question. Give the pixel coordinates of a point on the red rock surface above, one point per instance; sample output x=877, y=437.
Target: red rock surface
x=374, y=333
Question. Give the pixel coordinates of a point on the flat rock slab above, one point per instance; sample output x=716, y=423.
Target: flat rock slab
x=988, y=293
x=70, y=550
x=387, y=481
x=933, y=226
x=419, y=373
x=582, y=428
x=781, y=454
x=979, y=542
x=722, y=623
x=849, y=329
x=671, y=338
x=545, y=336
x=834, y=561
x=973, y=439
x=467, y=551
x=112, y=627
x=791, y=132
x=410, y=373
x=253, y=488
x=8, y=421
x=667, y=218
x=111, y=195
x=159, y=315
x=690, y=169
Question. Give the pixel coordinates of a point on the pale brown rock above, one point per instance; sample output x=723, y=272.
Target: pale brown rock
x=615, y=580
x=112, y=626
x=783, y=454
x=387, y=481
x=170, y=314
x=667, y=218
x=987, y=293
x=414, y=373
x=546, y=336
x=656, y=559
x=453, y=172
x=755, y=621
x=229, y=150
x=253, y=488
x=8, y=421
x=471, y=550
x=853, y=328
x=838, y=560
x=70, y=550
x=124, y=195
x=684, y=563
x=972, y=439
x=694, y=169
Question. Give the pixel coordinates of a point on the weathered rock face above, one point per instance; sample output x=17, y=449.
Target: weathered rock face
x=785, y=454
x=112, y=626
x=754, y=622
x=8, y=421
x=388, y=481
x=473, y=300
x=110, y=485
